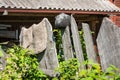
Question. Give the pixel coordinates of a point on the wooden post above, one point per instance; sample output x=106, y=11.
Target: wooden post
x=67, y=45
x=76, y=40
x=89, y=43
x=51, y=54
x=48, y=59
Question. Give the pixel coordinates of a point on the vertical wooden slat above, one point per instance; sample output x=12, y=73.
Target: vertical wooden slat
x=108, y=42
x=50, y=53
x=89, y=43
x=67, y=46
x=76, y=40
x=48, y=60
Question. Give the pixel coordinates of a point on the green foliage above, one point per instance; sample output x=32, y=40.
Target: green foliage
x=69, y=70
x=1, y=53
x=21, y=65
x=83, y=44
x=58, y=39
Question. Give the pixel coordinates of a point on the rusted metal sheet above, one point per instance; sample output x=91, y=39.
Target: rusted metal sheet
x=108, y=42
x=76, y=41
x=67, y=45
x=79, y=5
x=89, y=43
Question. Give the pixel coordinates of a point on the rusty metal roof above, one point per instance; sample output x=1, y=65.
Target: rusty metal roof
x=82, y=5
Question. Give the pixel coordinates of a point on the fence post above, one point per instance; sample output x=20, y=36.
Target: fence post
x=67, y=45
x=48, y=59
x=89, y=43
x=51, y=54
x=76, y=41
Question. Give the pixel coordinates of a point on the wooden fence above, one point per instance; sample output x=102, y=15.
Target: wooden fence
x=108, y=42
x=71, y=44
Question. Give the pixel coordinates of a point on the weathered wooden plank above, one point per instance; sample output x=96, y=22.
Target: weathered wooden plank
x=108, y=42
x=89, y=43
x=67, y=45
x=7, y=34
x=34, y=37
x=26, y=38
x=50, y=53
x=76, y=40
x=5, y=25
x=48, y=60
x=39, y=32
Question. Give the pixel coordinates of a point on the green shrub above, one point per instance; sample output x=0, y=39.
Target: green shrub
x=21, y=65
x=69, y=70
x=1, y=52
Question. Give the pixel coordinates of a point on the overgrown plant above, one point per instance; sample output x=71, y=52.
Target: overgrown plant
x=69, y=70
x=83, y=44
x=1, y=53
x=58, y=39
x=21, y=65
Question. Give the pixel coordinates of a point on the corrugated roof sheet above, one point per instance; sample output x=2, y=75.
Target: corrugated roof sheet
x=84, y=5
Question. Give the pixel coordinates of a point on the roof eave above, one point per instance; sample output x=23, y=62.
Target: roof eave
x=59, y=11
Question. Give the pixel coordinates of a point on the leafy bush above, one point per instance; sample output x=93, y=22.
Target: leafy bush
x=69, y=70
x=1, y=53
x=58, y=39
x=21, y=65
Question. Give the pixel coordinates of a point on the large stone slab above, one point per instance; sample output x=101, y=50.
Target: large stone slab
x=108, y=42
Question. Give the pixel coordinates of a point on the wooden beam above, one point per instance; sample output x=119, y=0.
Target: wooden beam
x=56, y=11
x=8, y=34
x=19, y=21
x=5, y=25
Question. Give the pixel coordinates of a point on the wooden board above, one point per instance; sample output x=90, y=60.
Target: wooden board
x=76, y=40
x=35, y=37
x=51, y=53
x=89, y=43
x=48, y=59
x=108, y=42
x=67, y=45
x=7, y=34
x=39, y=33
x=5, y=25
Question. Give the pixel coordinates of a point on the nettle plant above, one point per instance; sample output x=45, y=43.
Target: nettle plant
x=22, y=64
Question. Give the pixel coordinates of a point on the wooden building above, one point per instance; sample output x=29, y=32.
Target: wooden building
x=15, y=14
